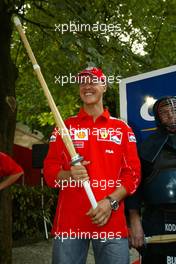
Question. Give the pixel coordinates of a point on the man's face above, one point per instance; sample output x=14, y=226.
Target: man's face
x=167, y=116
x=91, y=90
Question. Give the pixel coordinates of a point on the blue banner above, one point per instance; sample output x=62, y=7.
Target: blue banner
x=138, y=94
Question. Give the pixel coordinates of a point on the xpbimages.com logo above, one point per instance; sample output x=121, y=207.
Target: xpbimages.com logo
x=72, y=79
x=103, y=236
x=100, y=28
x=101, y=184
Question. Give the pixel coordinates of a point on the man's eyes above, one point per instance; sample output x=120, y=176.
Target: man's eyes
x=92, y=83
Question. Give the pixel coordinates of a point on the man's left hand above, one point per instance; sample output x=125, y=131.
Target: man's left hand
x=101, y=214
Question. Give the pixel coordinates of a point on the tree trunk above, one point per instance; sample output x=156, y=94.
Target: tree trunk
x=8, y=75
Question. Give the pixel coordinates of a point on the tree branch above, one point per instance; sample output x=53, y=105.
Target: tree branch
x=33, y=22
x=44, y=10
x=157, y=38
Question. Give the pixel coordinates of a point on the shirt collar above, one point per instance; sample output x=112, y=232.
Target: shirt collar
x=83, y=114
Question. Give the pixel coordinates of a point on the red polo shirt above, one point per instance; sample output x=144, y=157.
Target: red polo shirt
x=109, y=145
x=8, y=166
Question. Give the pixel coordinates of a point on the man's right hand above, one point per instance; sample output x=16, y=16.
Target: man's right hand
x=79, y=172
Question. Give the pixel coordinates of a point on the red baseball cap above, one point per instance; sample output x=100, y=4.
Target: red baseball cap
x=93, y=71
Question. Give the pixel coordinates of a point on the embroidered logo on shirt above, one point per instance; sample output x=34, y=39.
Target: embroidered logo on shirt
x=116, y=138
x=109, y=151
x=52, y=138
x=111, y=136
x=103, y=134
x=79, y=134
x=54, y=135
x=131, y=137
x=78, y=144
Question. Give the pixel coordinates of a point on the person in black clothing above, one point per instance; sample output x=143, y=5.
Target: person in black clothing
x=157, y=192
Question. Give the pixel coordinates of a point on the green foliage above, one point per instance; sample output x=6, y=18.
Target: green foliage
x=28, y=212
x=144, y=40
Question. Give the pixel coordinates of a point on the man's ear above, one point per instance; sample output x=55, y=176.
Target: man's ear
x=105, y=88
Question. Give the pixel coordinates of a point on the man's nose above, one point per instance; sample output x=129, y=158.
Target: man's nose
x=87, y=86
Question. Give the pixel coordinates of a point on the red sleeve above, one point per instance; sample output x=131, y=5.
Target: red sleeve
x=56, y=159
x=131, y=169
x=9, y=166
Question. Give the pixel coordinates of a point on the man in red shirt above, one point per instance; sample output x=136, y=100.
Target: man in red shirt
x=10, y=171
x=112, y=167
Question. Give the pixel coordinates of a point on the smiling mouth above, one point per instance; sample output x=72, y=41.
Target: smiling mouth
x=88, y=94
